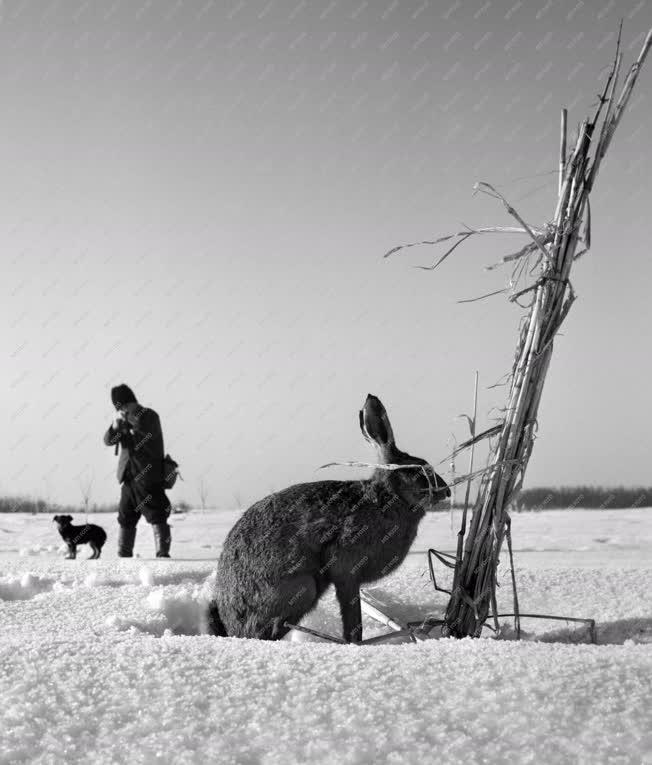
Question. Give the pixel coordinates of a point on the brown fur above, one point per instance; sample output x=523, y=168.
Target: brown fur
x=286, y=549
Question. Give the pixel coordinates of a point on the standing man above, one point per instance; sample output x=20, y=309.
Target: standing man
x=137, y=430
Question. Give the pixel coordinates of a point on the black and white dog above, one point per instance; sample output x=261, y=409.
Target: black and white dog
x=89, y=533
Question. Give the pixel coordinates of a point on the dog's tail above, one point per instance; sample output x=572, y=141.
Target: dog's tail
x=215, y=623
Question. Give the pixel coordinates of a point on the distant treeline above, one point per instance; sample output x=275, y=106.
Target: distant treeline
x=37, y=505
x=542, y=498
x=590, y=497
x=570, y=497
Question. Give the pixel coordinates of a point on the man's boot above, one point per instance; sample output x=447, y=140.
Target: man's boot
x=162, y=539
x=126, y=539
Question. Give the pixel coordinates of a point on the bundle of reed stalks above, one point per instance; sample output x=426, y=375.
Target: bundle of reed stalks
x=548, y=258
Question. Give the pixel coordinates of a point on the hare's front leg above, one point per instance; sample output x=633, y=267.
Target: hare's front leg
x=348, y=596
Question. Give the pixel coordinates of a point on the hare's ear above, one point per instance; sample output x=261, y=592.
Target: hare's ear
x=374, y=423
x=362, y=428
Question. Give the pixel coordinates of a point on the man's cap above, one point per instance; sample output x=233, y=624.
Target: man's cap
x=121, y=395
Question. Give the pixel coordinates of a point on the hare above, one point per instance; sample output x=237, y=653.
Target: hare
x=286, y=549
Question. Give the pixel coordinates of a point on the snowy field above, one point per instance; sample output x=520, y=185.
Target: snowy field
x=108, y=661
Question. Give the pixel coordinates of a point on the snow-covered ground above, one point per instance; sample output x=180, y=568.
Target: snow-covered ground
x=108, y=660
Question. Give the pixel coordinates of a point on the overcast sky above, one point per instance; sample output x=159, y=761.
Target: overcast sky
x=196, y=198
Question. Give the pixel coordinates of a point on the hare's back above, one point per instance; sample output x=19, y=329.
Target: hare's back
x=291, y=523
x=299, y=510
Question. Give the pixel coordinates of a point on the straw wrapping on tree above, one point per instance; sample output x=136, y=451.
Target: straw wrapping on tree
x=555, y=247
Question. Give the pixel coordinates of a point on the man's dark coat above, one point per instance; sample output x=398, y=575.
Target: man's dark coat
x=141, y=450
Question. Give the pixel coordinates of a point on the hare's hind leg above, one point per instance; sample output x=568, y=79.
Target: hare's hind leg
x=287, y=601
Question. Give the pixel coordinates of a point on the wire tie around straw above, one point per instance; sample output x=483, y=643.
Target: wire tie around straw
x=441, y=559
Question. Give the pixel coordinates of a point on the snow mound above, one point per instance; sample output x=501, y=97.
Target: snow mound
x=146, y=576
x=38, y=549
x=25, y=586
x=179, y=609
x=184, y=610
x=96, y=579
